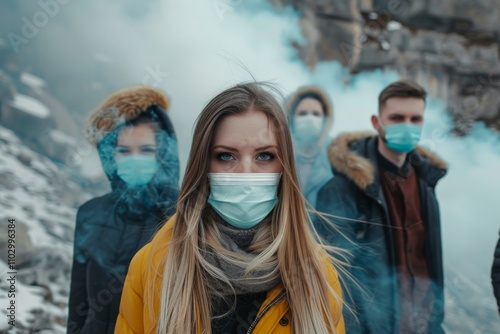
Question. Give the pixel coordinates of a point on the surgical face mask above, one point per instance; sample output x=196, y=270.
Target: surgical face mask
x=308, y=127
x=137, y=169
x=403, y=137
x=243, y=199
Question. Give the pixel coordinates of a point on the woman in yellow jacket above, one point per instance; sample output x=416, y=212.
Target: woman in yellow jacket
x=238, y=256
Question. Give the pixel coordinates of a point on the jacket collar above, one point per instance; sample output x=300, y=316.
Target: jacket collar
x=355, y=156
x=158, y=248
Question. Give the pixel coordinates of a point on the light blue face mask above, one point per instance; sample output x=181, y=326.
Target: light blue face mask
x=402, y=137
x=136, y=169
x=243, y=199
x=308, y=128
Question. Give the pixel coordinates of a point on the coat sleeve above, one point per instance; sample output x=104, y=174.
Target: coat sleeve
x=78, y=305
x=130, y=318
x=78, y=301
x=337, y=200
x=495, y=274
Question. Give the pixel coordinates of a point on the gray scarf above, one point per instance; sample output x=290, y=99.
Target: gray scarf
x=237, y=241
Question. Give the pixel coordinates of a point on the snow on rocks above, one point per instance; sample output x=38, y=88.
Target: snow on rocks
x=43, y=202
x=30, y=105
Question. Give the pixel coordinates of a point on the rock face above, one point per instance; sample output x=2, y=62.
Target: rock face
x=43, y=202
x=451, y=47
x=24, y=247
x=26, y=107
x=26, y=116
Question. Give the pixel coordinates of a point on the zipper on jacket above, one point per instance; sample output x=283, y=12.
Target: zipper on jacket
x=264, y=311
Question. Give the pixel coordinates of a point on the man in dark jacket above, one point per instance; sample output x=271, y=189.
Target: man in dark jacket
x=384, y=211
x=495, y=274
x=138, y=150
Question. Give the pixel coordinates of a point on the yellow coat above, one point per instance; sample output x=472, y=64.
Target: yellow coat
x=134, y=317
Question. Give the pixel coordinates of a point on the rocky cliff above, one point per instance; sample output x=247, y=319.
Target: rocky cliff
x=451, y=47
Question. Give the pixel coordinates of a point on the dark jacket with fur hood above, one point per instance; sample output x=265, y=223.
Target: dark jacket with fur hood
x=110, y=229
x=361, y=217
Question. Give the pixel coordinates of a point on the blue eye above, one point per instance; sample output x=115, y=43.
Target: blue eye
x=224, y=156
x=148, y=150
x=122, y=150
x=266, y=156
x=302, y=113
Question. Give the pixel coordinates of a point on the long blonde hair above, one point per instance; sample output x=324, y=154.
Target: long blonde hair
x=185, y=292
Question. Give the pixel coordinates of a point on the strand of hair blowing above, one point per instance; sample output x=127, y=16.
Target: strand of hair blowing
x=183, y=295
x=304, y=274
x=301, y=259
x=184, y=303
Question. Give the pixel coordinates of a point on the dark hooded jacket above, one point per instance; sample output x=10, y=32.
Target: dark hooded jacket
x=495, y=274
x=110, y=229
x=361, y=225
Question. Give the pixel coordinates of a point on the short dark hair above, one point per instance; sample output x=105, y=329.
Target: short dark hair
x=402, y=88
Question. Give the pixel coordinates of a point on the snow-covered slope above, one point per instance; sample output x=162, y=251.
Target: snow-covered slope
x=30, y=105
x=43, y=202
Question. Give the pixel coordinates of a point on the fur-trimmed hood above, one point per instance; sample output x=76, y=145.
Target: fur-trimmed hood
x=295, y=98
x=107, y=121
x=120, y=107
x=292, y=101
x=358, y=168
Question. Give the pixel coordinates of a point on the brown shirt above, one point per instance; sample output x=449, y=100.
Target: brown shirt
x=402, y=195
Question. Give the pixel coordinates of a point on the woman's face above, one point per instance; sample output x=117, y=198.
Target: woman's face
x=245, y=143
x=133, y=140
x=309, y=106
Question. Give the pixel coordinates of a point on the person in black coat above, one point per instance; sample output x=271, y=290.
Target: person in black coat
x=138, y=150
x=381, y=207
x=495, y=274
